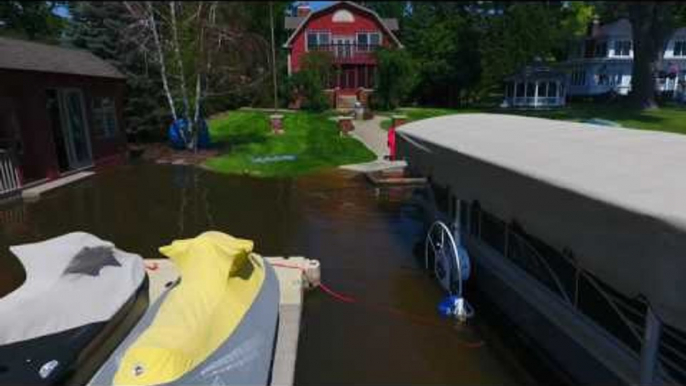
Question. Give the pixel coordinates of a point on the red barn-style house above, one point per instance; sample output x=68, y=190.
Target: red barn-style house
x=351, y=33
x=60, y=112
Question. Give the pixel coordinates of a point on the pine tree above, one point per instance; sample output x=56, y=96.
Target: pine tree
x=99, y=27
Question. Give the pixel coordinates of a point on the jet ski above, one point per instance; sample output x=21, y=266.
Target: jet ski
x=81, y=298
x=216, y=326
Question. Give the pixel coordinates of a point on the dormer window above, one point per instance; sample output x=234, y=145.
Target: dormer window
x=680, y=48
x=622, y=48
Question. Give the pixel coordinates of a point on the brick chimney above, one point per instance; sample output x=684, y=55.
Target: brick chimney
x=303, y=9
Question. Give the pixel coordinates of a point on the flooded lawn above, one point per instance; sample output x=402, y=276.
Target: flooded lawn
x=363, y=236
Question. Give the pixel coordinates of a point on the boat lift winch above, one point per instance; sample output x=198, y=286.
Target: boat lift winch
x=451, y=266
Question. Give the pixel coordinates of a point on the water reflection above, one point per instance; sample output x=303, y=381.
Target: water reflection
x=363, y=236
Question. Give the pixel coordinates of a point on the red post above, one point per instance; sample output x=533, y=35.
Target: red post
x=396, y=121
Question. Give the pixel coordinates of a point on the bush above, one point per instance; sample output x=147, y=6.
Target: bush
x=306, y=87
x=395, y=79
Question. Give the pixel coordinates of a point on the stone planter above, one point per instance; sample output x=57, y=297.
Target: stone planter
x=398, y=120
x=345, y=124
x=276, y=121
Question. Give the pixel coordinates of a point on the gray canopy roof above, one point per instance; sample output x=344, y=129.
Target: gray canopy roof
x=616, y=197
x=642, y=171
x=18, y=54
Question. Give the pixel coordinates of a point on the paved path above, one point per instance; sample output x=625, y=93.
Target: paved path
x=374, y=137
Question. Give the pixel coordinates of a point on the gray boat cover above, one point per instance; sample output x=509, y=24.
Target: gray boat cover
x=67, y=278
x=615, y=197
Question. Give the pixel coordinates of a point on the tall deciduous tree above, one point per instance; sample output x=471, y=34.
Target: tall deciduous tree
x=443, y=38
x=97, y=27
x=201, y=48
x=652, y=25
x=33, y=19
x=521, y=33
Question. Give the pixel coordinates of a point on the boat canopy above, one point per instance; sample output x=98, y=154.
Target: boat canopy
x=616, y=197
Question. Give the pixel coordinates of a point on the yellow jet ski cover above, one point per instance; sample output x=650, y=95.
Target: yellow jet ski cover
x=220, y=280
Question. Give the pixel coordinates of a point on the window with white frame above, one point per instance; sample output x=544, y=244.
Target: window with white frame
x=578, y=77
x=318, y=38
x=622, y=47
x=104, y=116
x=368, y=40
x=680, y=48
x=601, y=50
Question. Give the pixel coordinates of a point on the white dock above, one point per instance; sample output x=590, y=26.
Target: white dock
x=292, y=284
x=35, y=192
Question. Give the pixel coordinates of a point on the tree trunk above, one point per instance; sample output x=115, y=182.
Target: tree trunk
x=182, y=74
x=652, y=23
x=160, y=56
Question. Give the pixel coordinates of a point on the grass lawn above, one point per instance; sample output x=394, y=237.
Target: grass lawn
x=312, y=138
x=668, y=118
x=418, y=113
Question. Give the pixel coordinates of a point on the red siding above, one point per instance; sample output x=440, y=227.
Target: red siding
x=28, y=91
x=364, y=22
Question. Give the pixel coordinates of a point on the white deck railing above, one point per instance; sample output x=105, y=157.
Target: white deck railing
x=9, y=174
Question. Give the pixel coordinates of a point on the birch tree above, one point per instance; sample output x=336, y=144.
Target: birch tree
x=202, y=49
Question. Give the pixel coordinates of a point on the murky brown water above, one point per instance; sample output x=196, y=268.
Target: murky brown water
x=363, y=236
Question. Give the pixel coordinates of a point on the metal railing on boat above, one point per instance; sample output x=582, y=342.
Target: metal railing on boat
x=10, y=180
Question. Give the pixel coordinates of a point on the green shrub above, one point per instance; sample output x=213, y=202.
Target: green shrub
x=395, y=79
x=308, y=84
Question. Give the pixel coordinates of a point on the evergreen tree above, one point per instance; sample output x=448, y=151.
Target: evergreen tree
x=99, y=27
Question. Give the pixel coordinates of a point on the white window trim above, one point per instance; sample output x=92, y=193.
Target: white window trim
x=616, y=52
x=318, y=32
x=103, y=111
x=369, y=33
x=683, y=48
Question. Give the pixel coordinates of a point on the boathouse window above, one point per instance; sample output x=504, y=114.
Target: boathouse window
x=680, y=48
x=104, y=116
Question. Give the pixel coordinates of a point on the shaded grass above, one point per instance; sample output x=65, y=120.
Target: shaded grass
x=670, y=118
x=312, y=138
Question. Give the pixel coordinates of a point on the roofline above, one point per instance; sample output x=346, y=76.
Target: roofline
x=321, y=10
x=121, y=77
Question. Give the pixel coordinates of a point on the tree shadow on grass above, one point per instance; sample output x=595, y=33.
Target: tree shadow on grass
x=227, y=143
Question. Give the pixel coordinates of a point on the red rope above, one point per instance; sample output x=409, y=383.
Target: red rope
x=152, y=267
x=412, y=317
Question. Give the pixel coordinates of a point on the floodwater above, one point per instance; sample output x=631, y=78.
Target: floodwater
x=363, y=236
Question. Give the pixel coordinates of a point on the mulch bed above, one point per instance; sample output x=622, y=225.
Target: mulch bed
x=163, y=154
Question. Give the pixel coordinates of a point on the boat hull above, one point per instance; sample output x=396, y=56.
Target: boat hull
x=79, y=352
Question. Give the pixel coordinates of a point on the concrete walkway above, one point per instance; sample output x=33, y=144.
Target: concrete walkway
x=370, y=133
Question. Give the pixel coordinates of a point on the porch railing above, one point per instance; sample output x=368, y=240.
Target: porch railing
x=9, y=173
x=348, y=53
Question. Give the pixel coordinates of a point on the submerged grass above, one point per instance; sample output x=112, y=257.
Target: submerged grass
x=312, y=138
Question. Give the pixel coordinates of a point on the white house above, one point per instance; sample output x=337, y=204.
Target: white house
x=535, y=86
x=602, y=63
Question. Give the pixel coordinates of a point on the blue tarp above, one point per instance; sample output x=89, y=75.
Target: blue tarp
x=178, y=130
